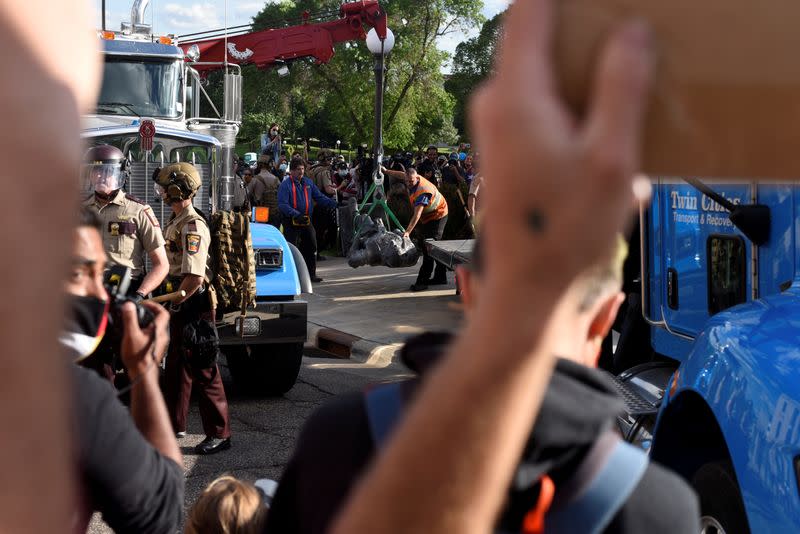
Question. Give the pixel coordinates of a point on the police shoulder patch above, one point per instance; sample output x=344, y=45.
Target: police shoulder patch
x=192, y=243
x=135, y=199
x=148, y=211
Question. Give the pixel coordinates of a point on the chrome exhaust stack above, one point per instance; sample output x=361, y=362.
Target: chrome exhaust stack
x=137, y=25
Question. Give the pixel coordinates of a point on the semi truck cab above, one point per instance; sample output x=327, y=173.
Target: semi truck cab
x=149, y=78
x=714, y=392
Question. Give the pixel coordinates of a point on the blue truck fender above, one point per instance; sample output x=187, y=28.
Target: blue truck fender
x=738, y=394
x=302, y=270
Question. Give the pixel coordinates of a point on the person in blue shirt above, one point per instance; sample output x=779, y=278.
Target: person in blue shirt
x=273, y=146
x=297, y=197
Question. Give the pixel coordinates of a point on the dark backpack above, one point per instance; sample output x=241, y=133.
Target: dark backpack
x=587, y=502
x=233, y=261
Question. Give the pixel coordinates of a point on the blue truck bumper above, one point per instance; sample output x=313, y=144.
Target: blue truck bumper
x=270, y=322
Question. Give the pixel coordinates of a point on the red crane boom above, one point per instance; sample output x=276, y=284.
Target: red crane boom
x=265, y=48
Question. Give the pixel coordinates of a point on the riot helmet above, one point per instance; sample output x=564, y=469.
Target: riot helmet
x=177, y=182
x=105, y=169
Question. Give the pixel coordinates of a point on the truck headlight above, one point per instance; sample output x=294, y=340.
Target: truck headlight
x=247, y=326
x=269, y=258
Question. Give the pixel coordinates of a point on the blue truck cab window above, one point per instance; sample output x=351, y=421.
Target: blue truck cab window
x=727, y=272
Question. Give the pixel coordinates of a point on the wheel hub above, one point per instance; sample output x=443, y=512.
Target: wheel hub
x=709, y=525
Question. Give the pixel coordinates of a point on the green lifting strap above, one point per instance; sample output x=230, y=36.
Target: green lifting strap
x=379, y=201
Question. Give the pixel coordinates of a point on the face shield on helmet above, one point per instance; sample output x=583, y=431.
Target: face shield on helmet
x=102, y=177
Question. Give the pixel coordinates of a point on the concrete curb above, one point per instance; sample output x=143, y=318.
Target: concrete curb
x=351, y=347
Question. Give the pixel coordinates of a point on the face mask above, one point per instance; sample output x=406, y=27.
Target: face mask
x=343, y=172
x=273, y=132
x=87, y=318
x=283, y=167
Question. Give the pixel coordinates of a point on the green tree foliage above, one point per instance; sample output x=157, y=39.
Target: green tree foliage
x=336, y=100
x=471, y=64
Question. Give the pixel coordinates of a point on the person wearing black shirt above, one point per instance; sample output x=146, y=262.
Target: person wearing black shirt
x=125, y=478
x=579, y=407
x=452, y=173
x=129, y=464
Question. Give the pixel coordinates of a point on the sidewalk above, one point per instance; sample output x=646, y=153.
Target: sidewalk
x=366, y=314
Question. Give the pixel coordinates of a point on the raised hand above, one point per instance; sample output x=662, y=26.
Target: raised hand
x=547, y=222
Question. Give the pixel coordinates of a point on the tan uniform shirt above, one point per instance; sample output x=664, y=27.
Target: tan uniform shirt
x=321, y=176
x=187, y=241
x=129, y=229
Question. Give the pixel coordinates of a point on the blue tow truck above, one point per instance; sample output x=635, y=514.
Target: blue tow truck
x=706, y=350
x=719, y=401
x=150, y=80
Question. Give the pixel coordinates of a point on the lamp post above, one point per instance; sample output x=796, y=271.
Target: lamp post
x=379, y=48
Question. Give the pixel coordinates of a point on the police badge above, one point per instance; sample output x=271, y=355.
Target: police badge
x=192, y=243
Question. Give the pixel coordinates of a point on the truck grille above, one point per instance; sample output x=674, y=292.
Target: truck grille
x=269, y=258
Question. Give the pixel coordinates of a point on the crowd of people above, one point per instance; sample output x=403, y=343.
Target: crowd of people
x=304, y=202
x=449, y=456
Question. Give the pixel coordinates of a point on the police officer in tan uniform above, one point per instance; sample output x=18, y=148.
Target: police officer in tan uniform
x=191, y=358
x=130, y=229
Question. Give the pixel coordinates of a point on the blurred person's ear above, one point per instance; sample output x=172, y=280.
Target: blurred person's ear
x=603, y=314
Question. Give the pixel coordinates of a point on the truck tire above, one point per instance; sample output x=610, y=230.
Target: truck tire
x=721, y=507
x=269, y=369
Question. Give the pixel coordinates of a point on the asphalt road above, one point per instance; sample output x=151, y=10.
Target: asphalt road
x=265, y=429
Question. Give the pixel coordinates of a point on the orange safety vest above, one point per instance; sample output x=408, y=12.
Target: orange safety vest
x=436, y=208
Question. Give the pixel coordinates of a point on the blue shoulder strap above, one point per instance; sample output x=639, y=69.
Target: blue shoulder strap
x=384, y=408
x=602, y=484
x=592, y=509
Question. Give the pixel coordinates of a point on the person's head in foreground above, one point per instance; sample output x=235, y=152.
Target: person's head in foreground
x=84, y=322
x=227, y=506
x=584, y=314
x=88, y=259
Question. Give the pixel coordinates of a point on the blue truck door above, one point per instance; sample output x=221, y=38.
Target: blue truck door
x=777, y=257
x=706, y=263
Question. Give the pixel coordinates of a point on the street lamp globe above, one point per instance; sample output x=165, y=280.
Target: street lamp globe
x=374, y=42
